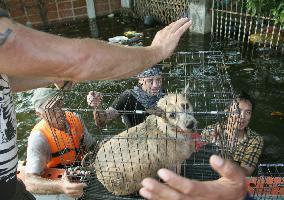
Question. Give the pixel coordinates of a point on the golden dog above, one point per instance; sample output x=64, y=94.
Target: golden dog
x=160, y=142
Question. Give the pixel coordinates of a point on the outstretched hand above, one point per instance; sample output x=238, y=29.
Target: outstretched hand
x=167, y=39
x=231, y=186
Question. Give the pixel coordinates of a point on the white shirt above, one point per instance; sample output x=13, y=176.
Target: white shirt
x=8, y=139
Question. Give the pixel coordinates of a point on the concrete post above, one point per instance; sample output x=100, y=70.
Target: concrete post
x=200, y=16
x=125, y=3
x=94, y=28
x=91, y=9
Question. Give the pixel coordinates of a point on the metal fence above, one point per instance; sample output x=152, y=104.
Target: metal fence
x=232, y=21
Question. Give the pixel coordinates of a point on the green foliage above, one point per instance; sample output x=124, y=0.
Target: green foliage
x=273, y=8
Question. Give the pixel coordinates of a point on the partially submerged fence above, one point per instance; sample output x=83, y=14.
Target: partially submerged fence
x=231, y=20
x=165, y=11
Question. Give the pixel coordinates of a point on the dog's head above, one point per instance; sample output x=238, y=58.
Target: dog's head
x=176, y=111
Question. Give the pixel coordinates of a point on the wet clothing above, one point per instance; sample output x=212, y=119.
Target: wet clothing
x=128, y=103
x=8, y=140
x=43, y=150
x=21, y=192
x=247, y=150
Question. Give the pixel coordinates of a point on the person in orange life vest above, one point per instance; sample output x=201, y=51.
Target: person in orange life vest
x=44, y=151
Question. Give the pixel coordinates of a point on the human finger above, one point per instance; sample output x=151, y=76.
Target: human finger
x=68, y=85
x=94, y=98
x=94, y=93
x=90, y=94
x=74, y=190
x=75, y=187
x=90, y=100
x=98, y=96
x=226, y=168
x=183, y=28
x=75, y=194
x=176, y=24
x=64, y=176
x=79, y=186
x=169, y=27
x=59, y=84
x=218, y=130
x=179, y=24
x=181, y=184
x=155, y=190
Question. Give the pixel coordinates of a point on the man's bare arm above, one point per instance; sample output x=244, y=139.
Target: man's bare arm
x=19, y=84
x=27, y=52
x=101, y=118
x=38, y=185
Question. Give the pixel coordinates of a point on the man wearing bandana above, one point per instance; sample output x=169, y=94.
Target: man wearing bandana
x=131, y=102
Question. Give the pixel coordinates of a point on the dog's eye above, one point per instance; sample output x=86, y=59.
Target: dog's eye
x=173, y=115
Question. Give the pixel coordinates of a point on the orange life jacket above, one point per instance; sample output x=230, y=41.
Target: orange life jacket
x=65, y=147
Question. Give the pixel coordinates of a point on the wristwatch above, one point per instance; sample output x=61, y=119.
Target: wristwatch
x=4, y=13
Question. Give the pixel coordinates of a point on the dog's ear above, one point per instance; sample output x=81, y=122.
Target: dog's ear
x=156, y=111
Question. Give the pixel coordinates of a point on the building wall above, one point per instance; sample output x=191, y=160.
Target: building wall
x=40, y=12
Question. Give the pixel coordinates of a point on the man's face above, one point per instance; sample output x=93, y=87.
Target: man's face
x=151, y=85
x=54, y=114
x=241, y=114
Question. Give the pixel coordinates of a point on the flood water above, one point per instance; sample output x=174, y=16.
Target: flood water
x=260, y=74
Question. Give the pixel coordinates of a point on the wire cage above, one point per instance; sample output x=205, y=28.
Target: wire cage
x=197, y=89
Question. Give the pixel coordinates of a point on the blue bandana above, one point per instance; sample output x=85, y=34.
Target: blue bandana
x=144, y=98
x=153, y=71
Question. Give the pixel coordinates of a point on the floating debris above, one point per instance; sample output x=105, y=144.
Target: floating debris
x=130, y=34
x=248, y=69
x=262, y=38
x=277, y=113
x=224, y=66
x=118, y=39
x=130, y=38
x=111, y=15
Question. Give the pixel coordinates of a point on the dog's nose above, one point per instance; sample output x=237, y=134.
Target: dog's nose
x=190, y=125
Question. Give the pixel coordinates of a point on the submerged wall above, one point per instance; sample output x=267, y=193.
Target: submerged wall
x=167, y=11
x=44, y=12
